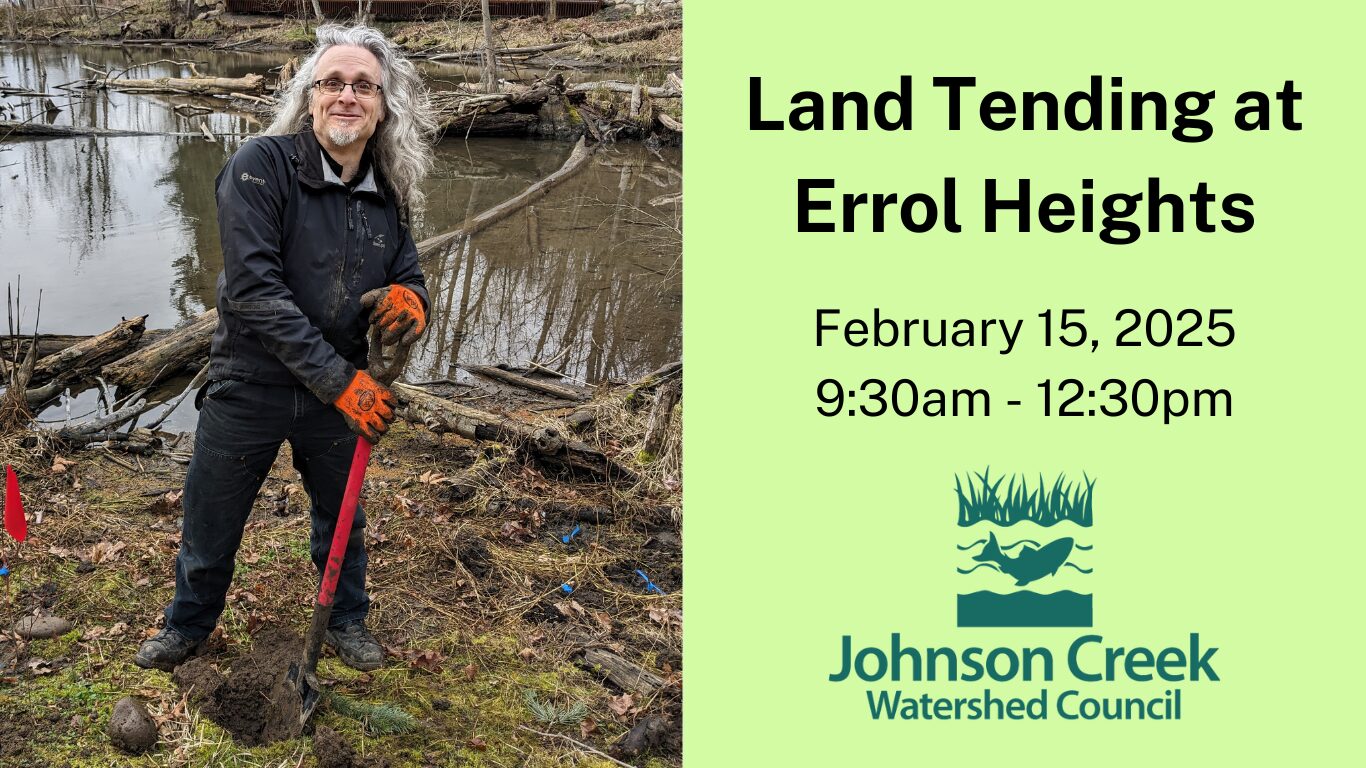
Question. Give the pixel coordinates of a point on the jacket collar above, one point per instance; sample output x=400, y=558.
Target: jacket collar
x=314, y=172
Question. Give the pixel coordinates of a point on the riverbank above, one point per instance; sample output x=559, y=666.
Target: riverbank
x=589, y=38
x=530, y=612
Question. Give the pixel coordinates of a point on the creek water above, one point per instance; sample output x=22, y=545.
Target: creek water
x=113, y=227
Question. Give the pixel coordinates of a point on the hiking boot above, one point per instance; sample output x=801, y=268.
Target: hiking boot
x=355, y=645
x=164, y=650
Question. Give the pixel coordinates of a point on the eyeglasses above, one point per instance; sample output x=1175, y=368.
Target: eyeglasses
x=333, y=87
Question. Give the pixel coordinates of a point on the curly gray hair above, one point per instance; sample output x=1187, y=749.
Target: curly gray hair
x=402, y=142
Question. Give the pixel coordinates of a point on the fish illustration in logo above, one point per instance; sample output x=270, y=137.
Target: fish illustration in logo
x=1031, y=564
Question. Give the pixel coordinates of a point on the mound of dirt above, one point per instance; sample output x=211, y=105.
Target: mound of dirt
x=237, y=702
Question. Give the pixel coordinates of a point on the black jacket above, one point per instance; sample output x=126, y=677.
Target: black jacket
x=299, y=249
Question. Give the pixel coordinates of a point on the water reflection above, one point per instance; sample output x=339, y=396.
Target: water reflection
x=110, y=227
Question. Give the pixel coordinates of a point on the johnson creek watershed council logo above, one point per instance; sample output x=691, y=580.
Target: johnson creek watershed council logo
x=1023, y=562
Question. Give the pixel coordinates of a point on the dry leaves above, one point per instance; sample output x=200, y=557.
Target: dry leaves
x=621, y=705
x=470, y=671
x=668, y=618
x=431, y=477
x=104, y=552
x=587, y=727
x=61, y=464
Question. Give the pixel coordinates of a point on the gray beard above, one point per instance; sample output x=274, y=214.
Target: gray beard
x=341, y=137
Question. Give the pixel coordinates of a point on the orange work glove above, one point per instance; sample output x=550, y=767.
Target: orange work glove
x=398, y=313
x=367, y=406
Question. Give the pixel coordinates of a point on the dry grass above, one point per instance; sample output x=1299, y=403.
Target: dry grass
x=465, y=573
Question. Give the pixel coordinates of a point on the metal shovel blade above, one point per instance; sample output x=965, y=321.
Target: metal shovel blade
x=309, y=695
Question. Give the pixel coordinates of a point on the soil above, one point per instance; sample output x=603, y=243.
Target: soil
x=466, y=598
x=235, y=701
x=333, y=751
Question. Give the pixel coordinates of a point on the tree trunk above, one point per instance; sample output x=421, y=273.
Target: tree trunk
x=10, y=21
x=166, y=356
x=85, y=358
x=489, y=73
x=318, y=11
x=542, y=443
x=551, y=10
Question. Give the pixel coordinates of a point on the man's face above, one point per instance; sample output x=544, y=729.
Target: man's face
x=343, y=119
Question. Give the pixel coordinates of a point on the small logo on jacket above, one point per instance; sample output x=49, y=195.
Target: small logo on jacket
x=248, y=177
x=378, y=242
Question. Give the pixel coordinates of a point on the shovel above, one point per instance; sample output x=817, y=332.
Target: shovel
x=300, y=688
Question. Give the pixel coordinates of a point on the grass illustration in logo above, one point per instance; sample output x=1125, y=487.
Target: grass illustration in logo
x=1045, y=506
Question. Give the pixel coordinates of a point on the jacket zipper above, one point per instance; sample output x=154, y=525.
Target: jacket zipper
x=341, y=274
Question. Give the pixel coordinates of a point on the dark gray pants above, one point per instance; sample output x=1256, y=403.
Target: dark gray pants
x=241, y=427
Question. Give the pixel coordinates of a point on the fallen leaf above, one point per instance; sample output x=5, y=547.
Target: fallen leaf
x=666, y=617
x=427, y=660
x=527, y=654
x=431, y=477
x=570, y=608
x=60, y=464
x=587, y=726
x=104, y=552
x=477, y=743
x=603, y=620
x=620, y=705
x=471, y=671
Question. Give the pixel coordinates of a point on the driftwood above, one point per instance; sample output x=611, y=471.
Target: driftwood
x=17, y=128
x=166, y=356
x=576, y=161
x=509, y=113
x=539, y=442
x=624, y=674
x=84, y=358
x=642, y=32
x=544, y=387
x=669, y=122
x=616, y=86
x=48, y=343
x=651, y=381
x=657, y=428
x=199, y=85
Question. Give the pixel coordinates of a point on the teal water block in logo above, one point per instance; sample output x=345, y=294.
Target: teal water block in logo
x=1024, y=561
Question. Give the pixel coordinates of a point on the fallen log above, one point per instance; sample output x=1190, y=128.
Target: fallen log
x=544, y=387
x=508, y=113
x=616, y=86
x=48, y=344
x=542, y=443
x=642, y=32
x=494, y=124
x=85, y=357
x=669, y=122
x=657, y=428
x=651, y=381
x=576, y=161
x=196, y=85
x=18, y=128
x=166, y=356
x=623, y=673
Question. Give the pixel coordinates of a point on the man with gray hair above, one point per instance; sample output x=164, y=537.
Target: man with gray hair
x=313, y=218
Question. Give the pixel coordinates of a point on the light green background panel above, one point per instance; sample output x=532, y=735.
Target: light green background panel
x=802, y=528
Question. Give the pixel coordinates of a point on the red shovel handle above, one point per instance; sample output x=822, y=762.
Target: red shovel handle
x=337, y=553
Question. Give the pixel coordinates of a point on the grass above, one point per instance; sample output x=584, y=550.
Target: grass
x=1045, y=505
x=474, y=652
